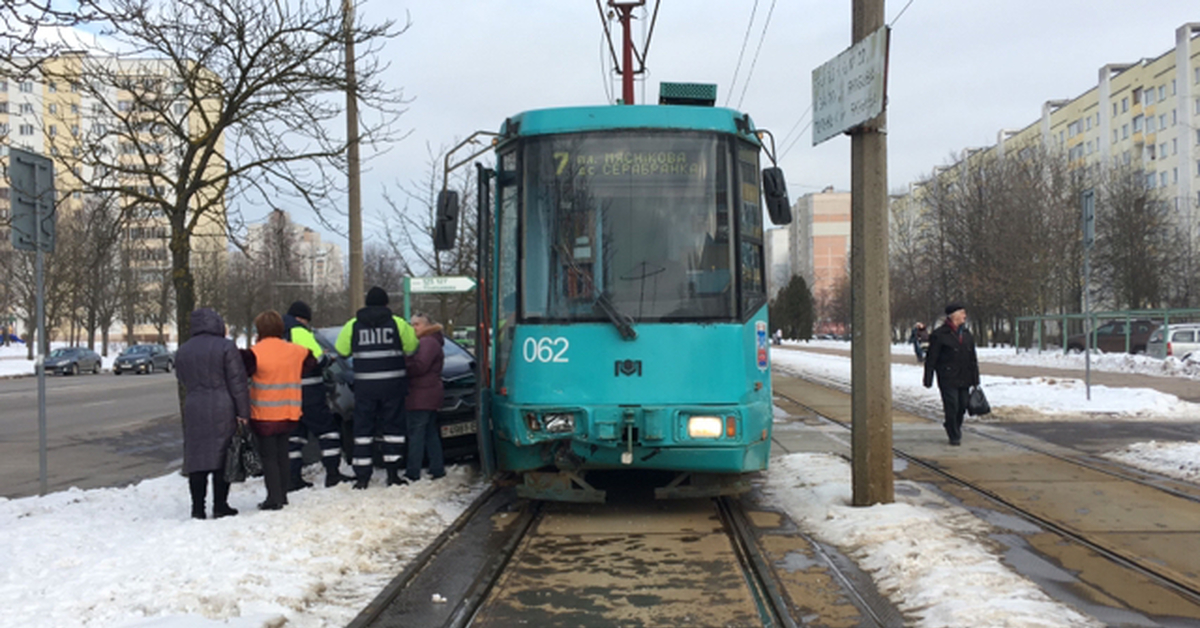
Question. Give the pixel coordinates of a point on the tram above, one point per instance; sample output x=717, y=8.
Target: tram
x=622, y=295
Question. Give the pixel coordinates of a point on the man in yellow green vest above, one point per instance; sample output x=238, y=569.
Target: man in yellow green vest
x=315, y=420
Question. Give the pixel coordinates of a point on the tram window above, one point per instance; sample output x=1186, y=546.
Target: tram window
x=750, y=250
x=507, y=281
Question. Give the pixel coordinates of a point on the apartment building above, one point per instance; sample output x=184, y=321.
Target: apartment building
x=1143, y=113
x=318, y=263
x=102, y=121
x=818, y=240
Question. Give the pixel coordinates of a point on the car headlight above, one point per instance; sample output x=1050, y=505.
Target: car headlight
x=705, y=427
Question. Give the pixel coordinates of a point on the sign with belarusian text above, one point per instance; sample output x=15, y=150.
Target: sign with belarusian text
x=440, y=284
x=850, y=89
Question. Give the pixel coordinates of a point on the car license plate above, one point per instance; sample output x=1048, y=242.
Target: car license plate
x=459, y=429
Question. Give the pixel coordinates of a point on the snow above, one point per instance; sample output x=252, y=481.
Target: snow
x=132, y=557
x=1028, y=399
x=1052, y=358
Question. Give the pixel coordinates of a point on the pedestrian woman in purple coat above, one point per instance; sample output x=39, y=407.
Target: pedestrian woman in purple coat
x=218, y=395
x=424, y=399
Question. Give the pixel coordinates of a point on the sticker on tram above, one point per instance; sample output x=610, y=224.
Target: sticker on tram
x=760, y=339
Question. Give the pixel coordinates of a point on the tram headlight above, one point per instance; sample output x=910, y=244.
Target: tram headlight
x=705, y=426
x=559, y=423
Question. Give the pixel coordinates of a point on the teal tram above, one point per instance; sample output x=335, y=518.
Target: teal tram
x=622, y=295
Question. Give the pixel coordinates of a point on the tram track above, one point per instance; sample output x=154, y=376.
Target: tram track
x=695, y=563
x=1093, y=542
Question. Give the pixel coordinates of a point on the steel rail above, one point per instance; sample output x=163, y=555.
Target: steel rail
x=1115, y=556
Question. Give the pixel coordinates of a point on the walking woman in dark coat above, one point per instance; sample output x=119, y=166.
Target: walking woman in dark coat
x=952, y=356
x=218, y=396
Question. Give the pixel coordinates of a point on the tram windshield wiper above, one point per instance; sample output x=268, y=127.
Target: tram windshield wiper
x=602, y=304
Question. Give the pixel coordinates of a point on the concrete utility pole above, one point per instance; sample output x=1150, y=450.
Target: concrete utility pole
x=355, y=189
x=871, y=347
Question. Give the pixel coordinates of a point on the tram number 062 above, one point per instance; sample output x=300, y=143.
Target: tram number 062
x=545, y=349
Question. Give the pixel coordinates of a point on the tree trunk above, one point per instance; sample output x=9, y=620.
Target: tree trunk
x=184, y=283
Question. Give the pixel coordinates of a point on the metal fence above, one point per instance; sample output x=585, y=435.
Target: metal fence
x=1058, y=330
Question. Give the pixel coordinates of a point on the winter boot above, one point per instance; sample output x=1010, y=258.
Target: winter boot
x=221, y=506
x=198, y=487
x=297, y=481
x=394, y=477
x=333, y=476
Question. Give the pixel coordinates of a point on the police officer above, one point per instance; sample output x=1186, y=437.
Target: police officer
x=316, y=421
x=378, y=341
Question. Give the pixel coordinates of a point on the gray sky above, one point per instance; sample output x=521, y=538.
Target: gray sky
x=959, y=71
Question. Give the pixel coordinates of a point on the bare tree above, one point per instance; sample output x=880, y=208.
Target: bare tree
x=409, y=231
x=1135, y=239
x=239, y=102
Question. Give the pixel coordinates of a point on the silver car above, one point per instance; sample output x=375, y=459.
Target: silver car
x=1184, y=342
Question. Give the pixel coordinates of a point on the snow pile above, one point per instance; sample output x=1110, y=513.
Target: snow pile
x=1177, y=460
x=108, y=557
x=924, y=553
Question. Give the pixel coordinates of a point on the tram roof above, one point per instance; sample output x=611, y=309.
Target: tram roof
x=628, y=117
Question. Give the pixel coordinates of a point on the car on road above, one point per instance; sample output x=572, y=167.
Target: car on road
x=144, y=359
x=72, y=361
x=1184, y=342
x=455, y=419
x=1110, y=337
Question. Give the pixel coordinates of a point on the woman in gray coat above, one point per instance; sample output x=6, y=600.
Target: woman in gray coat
x=210, y=368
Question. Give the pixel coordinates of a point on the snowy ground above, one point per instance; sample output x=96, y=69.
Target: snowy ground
x=1053, y=359
x=132, y=557
x=1039, y=398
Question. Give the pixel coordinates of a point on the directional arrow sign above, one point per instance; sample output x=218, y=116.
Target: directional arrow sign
x=441, y=284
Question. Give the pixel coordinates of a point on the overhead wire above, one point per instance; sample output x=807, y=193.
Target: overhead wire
x=788, y=137
x=893, y=22
x=605, y=73
x=757, y=50
x=745, y=40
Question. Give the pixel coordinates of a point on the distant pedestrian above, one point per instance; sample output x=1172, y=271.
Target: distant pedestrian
x=424, y=398
x=920, y=340
x=211, y=371
x=275, y=401
x=952, y=356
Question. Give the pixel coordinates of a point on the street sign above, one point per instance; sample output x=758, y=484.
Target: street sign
x=441, y=284
x=32, y=180
x=850, y=89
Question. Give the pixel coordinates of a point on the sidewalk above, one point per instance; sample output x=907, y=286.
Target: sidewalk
x=1186, y=390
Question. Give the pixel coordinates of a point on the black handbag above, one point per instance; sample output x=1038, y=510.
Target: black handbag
x=242, y=459
x=977, y=403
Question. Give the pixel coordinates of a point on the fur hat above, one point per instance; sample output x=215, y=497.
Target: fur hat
x=954, y=307
x=300, y=309
x=377, y=296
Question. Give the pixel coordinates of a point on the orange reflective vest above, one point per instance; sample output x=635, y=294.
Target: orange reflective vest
x=275, y=393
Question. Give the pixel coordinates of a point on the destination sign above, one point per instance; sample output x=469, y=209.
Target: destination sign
x=628, y=164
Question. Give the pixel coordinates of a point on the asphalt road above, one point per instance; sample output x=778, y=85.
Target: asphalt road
x=102, y=430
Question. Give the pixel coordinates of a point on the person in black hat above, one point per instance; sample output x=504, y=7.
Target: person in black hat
x=378, y=341
x=952, y=356
x=316, y=420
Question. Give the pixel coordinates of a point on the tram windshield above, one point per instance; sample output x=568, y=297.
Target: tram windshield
x=627, y=226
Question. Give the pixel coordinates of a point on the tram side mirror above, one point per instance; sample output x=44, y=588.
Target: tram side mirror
x=446, y=226
x=775, y=191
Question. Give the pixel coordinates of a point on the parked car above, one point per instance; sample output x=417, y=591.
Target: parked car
x=1110, y=337
x=144, y=359
x=456, y=418
x=73, y=361
x=1184, y=342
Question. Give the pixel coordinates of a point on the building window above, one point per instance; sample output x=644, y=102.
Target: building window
x=1162, y=150
x=1175, y=146
x=1150, y=96
x=1150, y=124
x=1089, y=123
x=25, y=129
x=181, y=108
x=75, y=130
x=1124, y=104
x=1174, y=176
x=1137, y=124
x=1124, y=131
x=124, y=105
x=3, y=128
x=26, y=86
x=74, y=87
x=1137, y=95
x=1162, y=92
x=4, y=107
x=1150, y=181
x=1114, y=136
x=1173, y=81
x=26, y=107
x=1162, y=179
x=74, y=109
x=52, y=86
x=1150, y=152
x=52, y=130
x=1114, y=110
x=1162, y=121
x=1174, y=121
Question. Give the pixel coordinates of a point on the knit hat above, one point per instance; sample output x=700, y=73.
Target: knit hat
x=377, y=296
x=300, y=309
x=954, y=307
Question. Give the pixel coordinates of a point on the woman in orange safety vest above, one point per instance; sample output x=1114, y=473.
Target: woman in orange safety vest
x=275, y=401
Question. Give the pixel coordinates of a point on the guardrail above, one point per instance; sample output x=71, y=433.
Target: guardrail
x=1061, y=327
